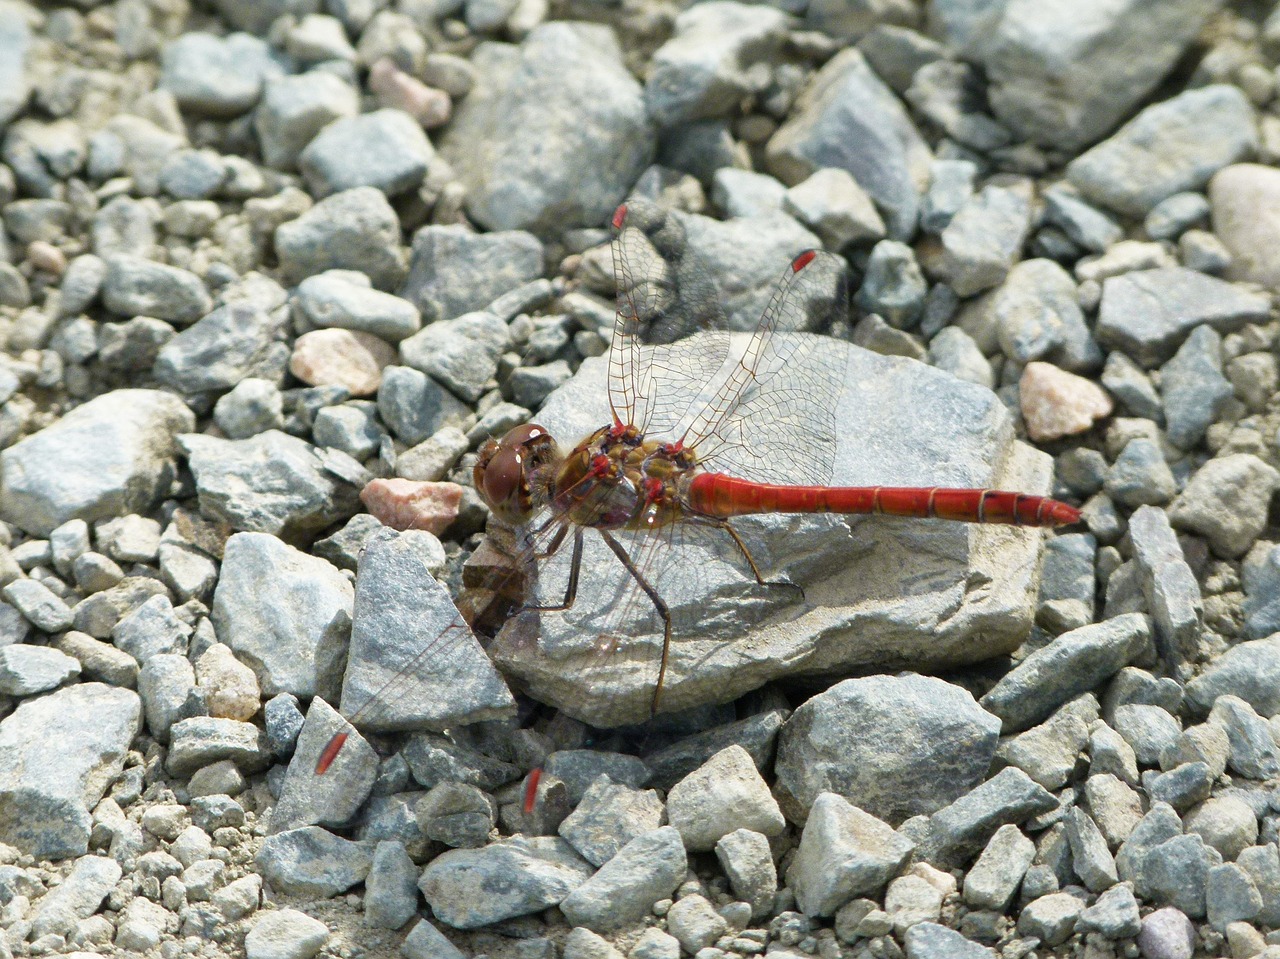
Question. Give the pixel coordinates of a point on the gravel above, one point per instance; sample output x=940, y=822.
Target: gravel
x=273, y=274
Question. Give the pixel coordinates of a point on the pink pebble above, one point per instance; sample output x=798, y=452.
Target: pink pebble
x=395, y=88
x=409, y=504
x=335, y=357
x=1056, y=403
x=47, y=257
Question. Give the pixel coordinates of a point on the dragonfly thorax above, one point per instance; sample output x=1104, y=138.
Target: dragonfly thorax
x=616, y=478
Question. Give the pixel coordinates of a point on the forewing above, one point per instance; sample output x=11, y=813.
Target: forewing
x=773, y=418
x=662, y=298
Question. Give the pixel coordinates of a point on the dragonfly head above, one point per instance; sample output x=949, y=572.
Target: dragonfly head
x=514, y=473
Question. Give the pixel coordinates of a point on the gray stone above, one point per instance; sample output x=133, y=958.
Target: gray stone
x=1169, y=585
x=993, y=879
x=286, y=614
x=1227, y=823
x=456, y=814
x=415, y=406
x=46, y=794
x=701, y=71
x=150, y=629
x=620, y=894
x=1193, y=387
x=748, y=863
x=353, y=230
x=166, y=684
x=1140, y=476
x=1172, y=217
x=253, y=407
x=847, y=118
x=346, y=301
x=756, y=734
x=1085, y=225
x=1170, y=147
x=1048, y=752
x=1051, y=918
x=98, y=660
x=575, y=98
x=609, y=816
x=434, y=759
x=955, y=351
x=693, y=923
x=413, y=662
x=270, y=483
x=1114, y=914
x=1226, y=502
x=1255, y=752
x=462, y=353
x=1119, y=54
x=1090, y=856
x=25, y=670
x=15, y=41
x=295, y=108
x=1116, y=808
x=453, y=271
x=844, y=853
x=1250, y=671
x=564, y=667
x=1067, y=582
x=425, y=941
x=309, y=797
x=725, y=794
x=893, y=286
x=313, y=862
x=935, y=744
x=79, y=895
x=202, y=740
x=391, y=891
x=929, y=940
x=469, y=888
x=1147, y=313
x=830, y=203
x=39, y=605
x=232, y=343
x=530, y=385
x=952, y=96
x=1131, y=387
x=216, y=76
x=1180, y=787
x=110, y=456
x=1070, y=665
x=950, y=187
x=965, y=826
x=1262, y=864
x=385, y=149
x=1175, y=872
x=191, y=175
x=746, y=193
x=985, y=237
x=351, y=427
x=285, y=934
x=1230, y=896
x=133, y=286
x=1148, y=729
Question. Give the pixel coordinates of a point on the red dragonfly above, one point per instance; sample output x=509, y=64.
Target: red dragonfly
x=682, y=454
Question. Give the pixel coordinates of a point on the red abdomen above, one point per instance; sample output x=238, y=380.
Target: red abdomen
x=716, y=494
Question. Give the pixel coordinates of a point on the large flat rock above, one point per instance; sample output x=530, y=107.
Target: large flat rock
x=893, y=593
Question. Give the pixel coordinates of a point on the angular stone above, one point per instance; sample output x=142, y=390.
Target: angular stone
x=936, y=744
x=286, y=614
x=58, y=755
x=470, y=888
x=110, y=456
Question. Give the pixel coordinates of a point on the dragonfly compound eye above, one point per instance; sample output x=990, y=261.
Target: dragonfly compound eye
x=503, y=470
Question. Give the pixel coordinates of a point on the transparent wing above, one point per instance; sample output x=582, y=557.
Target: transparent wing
x=773, y=418
x=662, y=297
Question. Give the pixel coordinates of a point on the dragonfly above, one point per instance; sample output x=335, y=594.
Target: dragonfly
x=674, y=456
x=690, y=447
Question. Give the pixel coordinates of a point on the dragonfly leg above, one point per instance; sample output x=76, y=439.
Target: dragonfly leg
x=746, y=554
x=575, y=564
x=555, y=541
x=658, y=603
